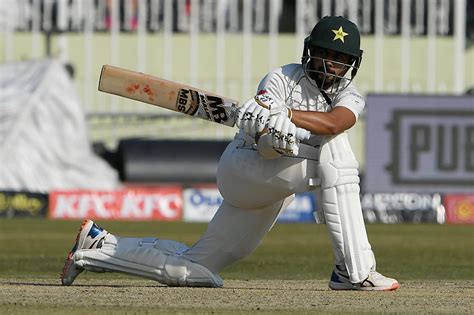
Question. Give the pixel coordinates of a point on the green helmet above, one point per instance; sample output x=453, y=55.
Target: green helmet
x=338, y=34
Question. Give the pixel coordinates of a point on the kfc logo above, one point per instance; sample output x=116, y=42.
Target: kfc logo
x=162, y=203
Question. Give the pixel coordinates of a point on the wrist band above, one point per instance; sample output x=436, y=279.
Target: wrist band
x=290, y=113
x=259, y=102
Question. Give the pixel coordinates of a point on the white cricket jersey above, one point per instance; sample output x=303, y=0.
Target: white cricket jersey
x=290, y=85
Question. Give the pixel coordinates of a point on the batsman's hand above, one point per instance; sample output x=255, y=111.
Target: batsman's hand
x=283, y=134
x=254, y=114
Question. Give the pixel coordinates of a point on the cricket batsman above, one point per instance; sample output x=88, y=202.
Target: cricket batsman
x=259, y=173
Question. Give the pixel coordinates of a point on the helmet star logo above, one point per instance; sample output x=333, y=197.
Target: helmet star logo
x=340, y=34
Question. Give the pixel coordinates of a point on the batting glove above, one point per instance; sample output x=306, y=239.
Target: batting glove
x=253, y=115
x=252, y=118
x=283, y=134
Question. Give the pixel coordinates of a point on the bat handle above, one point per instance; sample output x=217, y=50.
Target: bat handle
x=302, y=134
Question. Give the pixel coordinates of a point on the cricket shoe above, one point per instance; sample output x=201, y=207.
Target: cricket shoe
x=374, y=282
x=90, y=236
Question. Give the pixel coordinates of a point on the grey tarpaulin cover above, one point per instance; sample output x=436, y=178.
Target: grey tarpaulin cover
x=43, y=133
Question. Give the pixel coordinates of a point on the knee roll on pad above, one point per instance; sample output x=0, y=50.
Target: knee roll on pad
x=138, y=257
x=337, y=173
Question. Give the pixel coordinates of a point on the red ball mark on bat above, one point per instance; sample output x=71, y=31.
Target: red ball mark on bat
x=132, y=88
x=148, y=91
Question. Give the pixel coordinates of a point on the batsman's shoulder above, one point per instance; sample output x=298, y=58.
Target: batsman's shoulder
x=288, y=74
x=350, y=92
x=292, y=70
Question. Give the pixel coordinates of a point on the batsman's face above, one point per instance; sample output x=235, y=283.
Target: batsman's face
x=329, y=64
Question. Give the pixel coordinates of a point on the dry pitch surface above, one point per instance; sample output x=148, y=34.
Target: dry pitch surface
x=97, y=295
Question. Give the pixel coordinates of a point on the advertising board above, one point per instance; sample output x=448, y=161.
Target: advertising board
x=164, y=203
x=459, y=208
x=201, y=203
x=402, y=208
x=302, y=209
x=421, y=144
x=23, y=204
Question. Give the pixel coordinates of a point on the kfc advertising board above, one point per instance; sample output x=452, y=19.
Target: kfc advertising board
x=147, y=203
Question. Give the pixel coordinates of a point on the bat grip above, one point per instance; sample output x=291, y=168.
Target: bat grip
x=302, y=134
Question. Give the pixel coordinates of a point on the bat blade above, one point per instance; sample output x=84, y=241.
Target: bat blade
x=168, y=94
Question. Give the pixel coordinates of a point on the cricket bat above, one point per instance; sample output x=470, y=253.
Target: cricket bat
x=173, y=96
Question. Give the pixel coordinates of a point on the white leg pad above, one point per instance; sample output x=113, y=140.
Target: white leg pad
x=145, y=258
x=340, y=201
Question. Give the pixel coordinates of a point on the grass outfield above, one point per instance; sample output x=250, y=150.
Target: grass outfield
x=294, y=259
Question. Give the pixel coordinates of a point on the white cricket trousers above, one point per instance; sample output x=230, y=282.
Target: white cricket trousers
x=254, y=191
